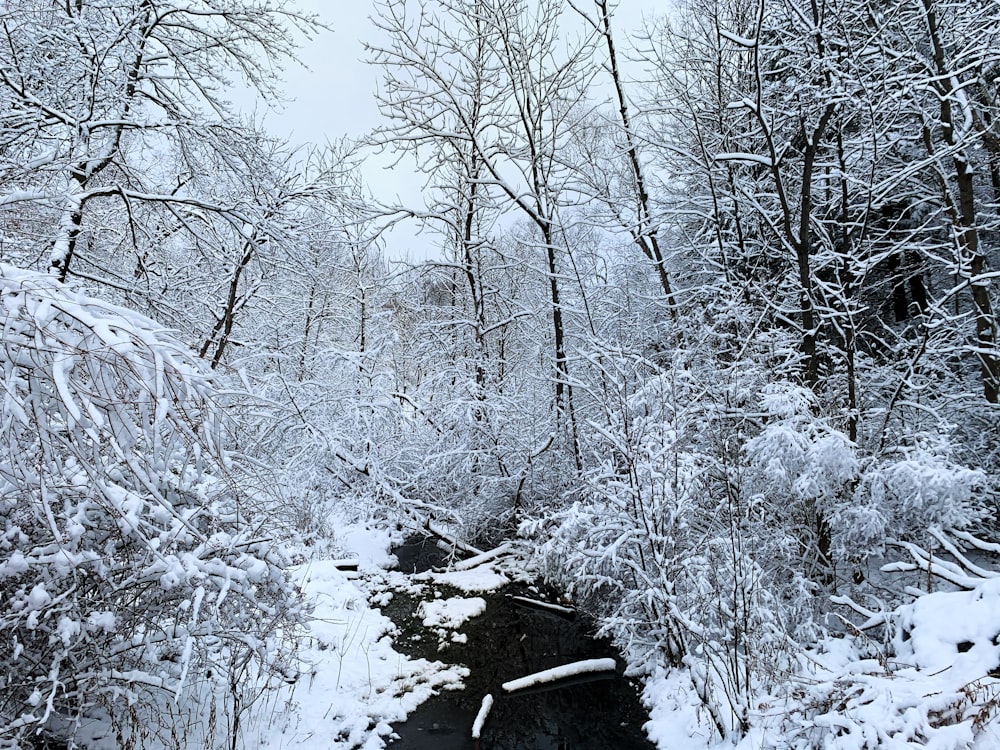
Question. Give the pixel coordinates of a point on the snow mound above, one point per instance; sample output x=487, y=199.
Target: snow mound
x=938, y=688
x=450, y=613
x=958, y=631
x=445, y=616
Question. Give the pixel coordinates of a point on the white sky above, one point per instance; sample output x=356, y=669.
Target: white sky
x=334, y=94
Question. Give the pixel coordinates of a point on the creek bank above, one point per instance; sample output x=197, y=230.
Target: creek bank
x=507, y=641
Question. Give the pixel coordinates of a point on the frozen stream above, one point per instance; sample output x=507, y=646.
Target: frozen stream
x=508, y=641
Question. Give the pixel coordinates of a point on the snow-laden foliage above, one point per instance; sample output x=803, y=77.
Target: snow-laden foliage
x=801, y=470
x=919, y=488
x=129, y=559
x=933, y=686
x=709, y=523
x=680, y=560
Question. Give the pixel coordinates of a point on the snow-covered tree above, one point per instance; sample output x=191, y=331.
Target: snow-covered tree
x=132, y=562
x=108, y=110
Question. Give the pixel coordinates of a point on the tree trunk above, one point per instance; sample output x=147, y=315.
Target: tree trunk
x=972, y=263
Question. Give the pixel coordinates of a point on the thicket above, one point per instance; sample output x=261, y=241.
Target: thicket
x=711, y=321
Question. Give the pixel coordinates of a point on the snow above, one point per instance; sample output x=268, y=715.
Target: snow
x=102, y=621
x=68, y=629
x=742, y=41
x=444, y=615
x=38, y=597
x=548, y=606
x=586, y=666
x=677, y=719
x=450, y=613
x=354, y=683
x=484, y=712
x=933, y=689
x=472, y=581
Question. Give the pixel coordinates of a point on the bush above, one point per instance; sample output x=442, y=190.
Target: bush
x=129, y=560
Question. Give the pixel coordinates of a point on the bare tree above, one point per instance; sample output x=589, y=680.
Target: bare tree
x=95, y=94
x=488, y=90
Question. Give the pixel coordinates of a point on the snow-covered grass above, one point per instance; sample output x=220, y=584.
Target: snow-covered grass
x=354, y=684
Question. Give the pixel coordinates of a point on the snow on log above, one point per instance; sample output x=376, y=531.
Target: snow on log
x=484, y=711
x=560, y=673
x=345, y=565
x=556, y=609
x=485, y=557
x=454, y=541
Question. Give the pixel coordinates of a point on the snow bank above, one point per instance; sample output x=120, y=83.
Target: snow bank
x=353, y=684
x=937, y=687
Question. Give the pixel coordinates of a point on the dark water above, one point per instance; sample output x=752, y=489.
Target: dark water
x=601, y=711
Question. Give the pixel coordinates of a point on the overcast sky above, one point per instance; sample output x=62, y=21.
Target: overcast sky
x=334, y=94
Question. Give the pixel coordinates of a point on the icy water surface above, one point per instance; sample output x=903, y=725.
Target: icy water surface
x=599, y=712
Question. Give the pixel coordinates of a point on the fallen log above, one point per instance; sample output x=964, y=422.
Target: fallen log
x=558, y=610
x=484, y=711
x=482, y=559
x=567, y=682
x=555, y=674
x=455, y=542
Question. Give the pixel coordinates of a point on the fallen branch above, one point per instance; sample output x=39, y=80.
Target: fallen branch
x=873, y=619
x=925, y=562
x=454, y=541
x=565, y=612
x=485, y=557
x=560, y=673
x=484, y=711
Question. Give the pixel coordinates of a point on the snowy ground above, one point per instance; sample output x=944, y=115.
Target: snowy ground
x=355, y=683
x=939, y=689
x=936, y=691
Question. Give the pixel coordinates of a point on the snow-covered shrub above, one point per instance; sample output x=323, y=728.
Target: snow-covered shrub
x=801, y=472
x=130, y=562
x=622, y=545
x=681, y=566
x=935, y=686
x=918, y=488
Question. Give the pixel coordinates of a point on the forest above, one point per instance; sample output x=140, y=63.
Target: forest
x=708, y=332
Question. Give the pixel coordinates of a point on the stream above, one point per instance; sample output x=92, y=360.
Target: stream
x=509, y=640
